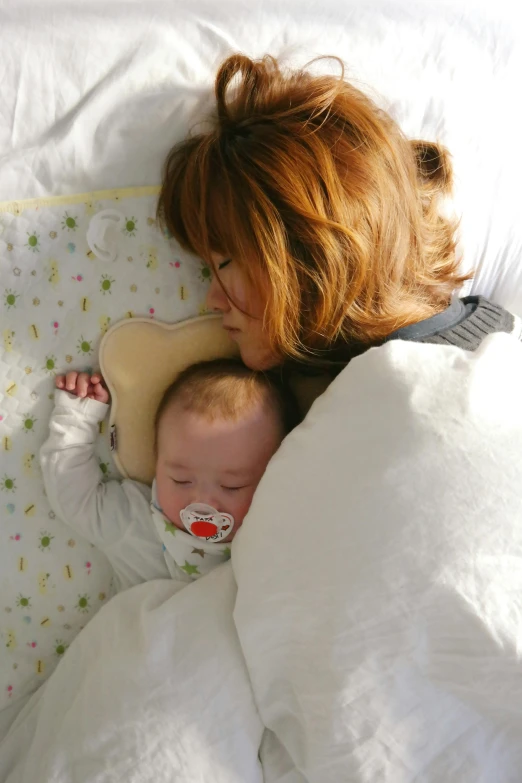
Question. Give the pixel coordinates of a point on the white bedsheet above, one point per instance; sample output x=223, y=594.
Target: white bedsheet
x=94, y=93
x=62, y=301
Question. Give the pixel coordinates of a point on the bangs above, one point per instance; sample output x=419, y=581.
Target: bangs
x=207, y=208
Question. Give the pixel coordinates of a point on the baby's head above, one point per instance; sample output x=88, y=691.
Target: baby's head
x=217, y=427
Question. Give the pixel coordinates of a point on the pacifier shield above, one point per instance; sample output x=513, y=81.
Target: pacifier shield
x=203, y=521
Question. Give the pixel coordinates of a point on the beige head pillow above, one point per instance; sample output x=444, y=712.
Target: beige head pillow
x=139, y=359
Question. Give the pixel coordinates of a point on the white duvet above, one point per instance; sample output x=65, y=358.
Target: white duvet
x=375, y=632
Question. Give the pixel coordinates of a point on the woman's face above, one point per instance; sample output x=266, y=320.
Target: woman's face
x=242, y=308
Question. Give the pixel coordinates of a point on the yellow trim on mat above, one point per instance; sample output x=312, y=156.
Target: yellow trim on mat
x=17, y=207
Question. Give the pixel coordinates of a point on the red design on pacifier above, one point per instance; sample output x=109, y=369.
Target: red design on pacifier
x=204, y=529
x=206, y=522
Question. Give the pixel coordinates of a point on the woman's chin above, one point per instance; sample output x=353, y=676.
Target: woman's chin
x=259, y=360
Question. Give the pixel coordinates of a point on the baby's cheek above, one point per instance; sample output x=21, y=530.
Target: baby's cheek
x=241, y=509
x=170, y=503
x=172, y=512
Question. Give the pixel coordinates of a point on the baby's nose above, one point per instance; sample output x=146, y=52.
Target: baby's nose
x=207, y=498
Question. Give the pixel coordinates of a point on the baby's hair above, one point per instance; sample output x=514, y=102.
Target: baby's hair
x=226, y=388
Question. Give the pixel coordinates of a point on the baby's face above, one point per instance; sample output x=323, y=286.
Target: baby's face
x=218, y=462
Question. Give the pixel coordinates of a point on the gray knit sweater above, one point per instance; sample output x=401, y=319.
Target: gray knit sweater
x=465, y=323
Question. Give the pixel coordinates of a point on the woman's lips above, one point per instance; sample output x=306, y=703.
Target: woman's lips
x=232, y=333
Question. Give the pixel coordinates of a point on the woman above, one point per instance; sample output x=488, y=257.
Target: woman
x=379, y=594
x=322, y=223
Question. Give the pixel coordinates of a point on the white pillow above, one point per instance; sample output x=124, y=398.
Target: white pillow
x=118, y=89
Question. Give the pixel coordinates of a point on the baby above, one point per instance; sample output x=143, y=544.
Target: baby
x=216, y=428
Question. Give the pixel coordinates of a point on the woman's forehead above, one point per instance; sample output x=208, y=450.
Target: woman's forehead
x=218, y=258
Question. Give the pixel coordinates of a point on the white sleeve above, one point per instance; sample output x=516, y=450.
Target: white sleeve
x=114, y=515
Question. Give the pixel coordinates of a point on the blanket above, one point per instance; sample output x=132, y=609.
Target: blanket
x=381, y=643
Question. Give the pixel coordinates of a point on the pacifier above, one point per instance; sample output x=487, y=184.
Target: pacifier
x=103, y=233
x=206, y=522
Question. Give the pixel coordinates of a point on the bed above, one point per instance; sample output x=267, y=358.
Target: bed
x=93, y=96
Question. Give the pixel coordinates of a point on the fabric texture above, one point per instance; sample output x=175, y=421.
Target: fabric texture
x=156, y=692
x=385, y=646
x=114, y=516
x=381, y=644
x=465, y=323
x=57, y=300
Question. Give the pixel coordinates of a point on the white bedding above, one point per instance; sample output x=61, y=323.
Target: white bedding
x=171, y=701
x=60, y=303
x=383, y=643
x=94, y=93
x=376, y=627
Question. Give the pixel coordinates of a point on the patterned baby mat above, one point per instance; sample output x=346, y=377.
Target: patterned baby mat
x=57, y=299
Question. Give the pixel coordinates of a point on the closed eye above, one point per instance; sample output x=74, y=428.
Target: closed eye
x=225, y=263
x=234, y=489
x=181, y=483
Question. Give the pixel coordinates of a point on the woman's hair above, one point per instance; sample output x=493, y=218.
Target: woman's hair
x=227, y=389
x=319, y=197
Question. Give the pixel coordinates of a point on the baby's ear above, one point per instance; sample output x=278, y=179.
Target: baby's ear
x=433, y=166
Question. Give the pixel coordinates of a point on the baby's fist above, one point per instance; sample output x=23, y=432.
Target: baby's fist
x=84, y=385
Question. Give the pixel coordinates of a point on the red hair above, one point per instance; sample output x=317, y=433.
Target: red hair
x=323, y=201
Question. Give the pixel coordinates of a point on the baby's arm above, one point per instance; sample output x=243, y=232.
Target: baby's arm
x=73, y=479
x=112, y=515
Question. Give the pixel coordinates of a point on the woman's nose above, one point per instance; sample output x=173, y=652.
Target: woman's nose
x=216, y=297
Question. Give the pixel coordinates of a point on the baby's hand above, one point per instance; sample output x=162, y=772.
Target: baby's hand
x=84, y=385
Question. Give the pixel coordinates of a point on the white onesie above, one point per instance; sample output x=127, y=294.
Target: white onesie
x=121, y=518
